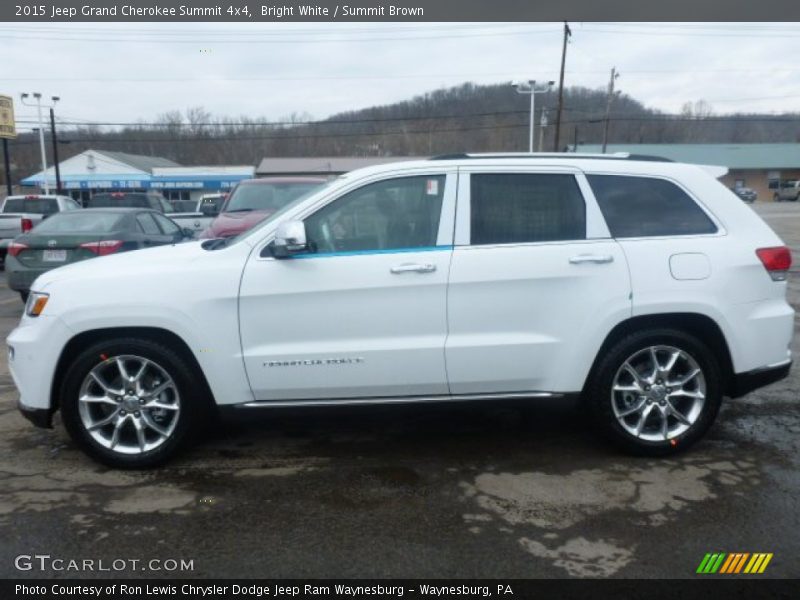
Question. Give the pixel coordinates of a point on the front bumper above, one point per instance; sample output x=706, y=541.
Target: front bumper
x=41, y=417
x=34, y=349
x=744, y=383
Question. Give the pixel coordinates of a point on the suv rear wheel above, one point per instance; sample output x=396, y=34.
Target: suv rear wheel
x=656, y=392
x=130, y=403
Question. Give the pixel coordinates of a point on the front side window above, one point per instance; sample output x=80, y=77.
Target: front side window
x=515, y=208
x=387, y=215
x=647, y=206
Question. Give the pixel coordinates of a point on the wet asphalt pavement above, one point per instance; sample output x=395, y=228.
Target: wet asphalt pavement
x=523, y=490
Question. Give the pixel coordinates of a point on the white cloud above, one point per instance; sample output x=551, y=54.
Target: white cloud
x=137, y=71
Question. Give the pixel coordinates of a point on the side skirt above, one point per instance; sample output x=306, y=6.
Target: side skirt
x=320, y=402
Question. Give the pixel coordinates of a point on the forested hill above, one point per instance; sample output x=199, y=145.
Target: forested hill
x=478, y=118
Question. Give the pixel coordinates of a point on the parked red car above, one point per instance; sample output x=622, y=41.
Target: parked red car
x=253, y=200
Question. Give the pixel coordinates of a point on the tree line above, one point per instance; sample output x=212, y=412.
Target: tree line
x=469, y=117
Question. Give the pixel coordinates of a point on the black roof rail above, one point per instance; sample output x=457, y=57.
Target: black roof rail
x=578, y=156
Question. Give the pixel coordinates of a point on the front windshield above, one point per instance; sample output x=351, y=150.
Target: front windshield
x=267, y=196
x=281, y=211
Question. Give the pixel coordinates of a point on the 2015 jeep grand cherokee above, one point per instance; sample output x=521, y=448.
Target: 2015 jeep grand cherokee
x=643, y=285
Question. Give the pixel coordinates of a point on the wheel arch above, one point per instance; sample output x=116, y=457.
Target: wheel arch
x=697, y=324
x=82, y=340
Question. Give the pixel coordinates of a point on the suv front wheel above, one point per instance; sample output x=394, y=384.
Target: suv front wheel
x=656, y=392
x=130, y=403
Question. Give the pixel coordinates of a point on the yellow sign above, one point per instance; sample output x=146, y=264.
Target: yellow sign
x=7, y=126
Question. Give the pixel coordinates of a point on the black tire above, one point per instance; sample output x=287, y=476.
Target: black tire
x=599, y=390
x=194, y=402
x=776, y=198
x=24, y=296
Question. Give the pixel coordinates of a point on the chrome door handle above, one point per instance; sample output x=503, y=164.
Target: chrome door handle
x=413, y=268
x=591, y=258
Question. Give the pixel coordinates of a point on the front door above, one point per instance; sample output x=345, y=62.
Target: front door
x=363, y=313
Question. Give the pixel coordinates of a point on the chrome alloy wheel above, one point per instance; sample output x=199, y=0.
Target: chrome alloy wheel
x=658, y=393
x=129, y=404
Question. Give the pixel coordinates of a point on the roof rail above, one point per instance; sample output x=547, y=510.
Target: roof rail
x=567, y=155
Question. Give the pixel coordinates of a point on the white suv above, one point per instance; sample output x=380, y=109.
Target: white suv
x=645, y=286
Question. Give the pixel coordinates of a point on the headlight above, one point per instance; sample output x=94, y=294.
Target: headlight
x=36, y=303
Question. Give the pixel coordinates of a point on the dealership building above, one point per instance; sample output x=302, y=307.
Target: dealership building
x=94, y=171
x=326, y=166
x=757, y=166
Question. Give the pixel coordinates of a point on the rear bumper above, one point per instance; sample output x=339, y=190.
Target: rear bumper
x=22, y=281
x=744, y=383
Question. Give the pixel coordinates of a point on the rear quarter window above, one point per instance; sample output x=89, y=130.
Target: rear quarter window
x=647, y=207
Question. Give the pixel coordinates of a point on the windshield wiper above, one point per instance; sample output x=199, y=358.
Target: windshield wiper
x=240, y=210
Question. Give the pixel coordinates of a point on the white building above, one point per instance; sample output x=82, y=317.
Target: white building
x=94, y=171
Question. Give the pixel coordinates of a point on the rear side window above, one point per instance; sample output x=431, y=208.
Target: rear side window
x=646, y=206
x=148, y=224
x=518, y=208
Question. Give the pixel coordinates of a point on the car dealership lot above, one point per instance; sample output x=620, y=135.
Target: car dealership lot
x=523, y=490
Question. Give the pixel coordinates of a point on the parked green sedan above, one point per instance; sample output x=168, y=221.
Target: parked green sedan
x=73, y=236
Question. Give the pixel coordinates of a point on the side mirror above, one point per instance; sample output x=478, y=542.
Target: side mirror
x=209, y=210
x=290, y=239
x=187, y=232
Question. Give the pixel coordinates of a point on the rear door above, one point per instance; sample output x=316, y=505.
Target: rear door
x=535, y=282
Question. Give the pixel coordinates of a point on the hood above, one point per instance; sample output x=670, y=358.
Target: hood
x=233, y=223
x=138, y=262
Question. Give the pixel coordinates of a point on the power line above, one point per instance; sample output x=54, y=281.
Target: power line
x=238, y=40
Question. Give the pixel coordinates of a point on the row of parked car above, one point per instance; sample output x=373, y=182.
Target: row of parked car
x=41, y=232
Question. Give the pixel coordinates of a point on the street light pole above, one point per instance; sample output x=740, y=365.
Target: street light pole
x=38, y=97
x=54, y=139
x=530, y=128
x=529, y=87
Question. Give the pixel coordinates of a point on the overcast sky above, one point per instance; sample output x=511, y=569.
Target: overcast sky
x=133, y=71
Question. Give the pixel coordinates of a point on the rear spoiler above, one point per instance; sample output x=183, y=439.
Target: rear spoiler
x=716, y=171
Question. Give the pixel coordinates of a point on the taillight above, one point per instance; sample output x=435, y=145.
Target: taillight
x=776, y=261
x=104, y=247
x=15, y=248
x=26, y=225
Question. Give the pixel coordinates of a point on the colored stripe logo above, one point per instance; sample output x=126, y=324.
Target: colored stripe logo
x=734, y=562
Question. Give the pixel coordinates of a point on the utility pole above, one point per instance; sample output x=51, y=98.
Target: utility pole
x=55, y=146
x=38, y=97
x=7, y=164
x=575, y=143
x=542, y=125
x=614, y=76
x=567, y=35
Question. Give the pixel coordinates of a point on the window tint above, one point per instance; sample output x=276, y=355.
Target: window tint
x=32, y=204
x=167, y=226
x=72, y=222
x=515, y=208
x=147, y=224
x=646, y=206
x=398, y=213
x=118, y=200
